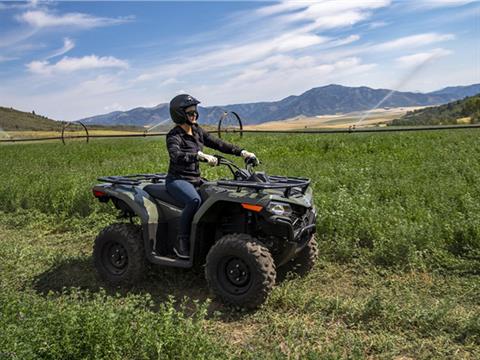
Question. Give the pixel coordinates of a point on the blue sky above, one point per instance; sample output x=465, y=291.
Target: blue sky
x=69, y=60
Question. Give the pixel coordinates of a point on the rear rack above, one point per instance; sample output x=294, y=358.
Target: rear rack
x=276, y=182
x=136, y=179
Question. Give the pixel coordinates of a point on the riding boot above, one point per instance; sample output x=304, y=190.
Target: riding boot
x=182, y=248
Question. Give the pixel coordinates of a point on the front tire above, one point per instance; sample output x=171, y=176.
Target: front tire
x=303, y=263
x=118, y=254
x=240, y=270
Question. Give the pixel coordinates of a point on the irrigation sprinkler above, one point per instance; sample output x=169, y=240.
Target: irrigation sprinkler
x=230, y=122
x=66, y=124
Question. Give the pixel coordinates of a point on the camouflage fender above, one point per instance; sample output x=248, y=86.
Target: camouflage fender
x=143, y=205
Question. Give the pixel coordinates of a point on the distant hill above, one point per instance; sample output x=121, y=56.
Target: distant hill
x=330, y=99
x=461, y=111
x=458, y=92
x=15, y=120
x=138, y=117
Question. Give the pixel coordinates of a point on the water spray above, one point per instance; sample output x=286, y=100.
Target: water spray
x=154, y=126
x=402, y=82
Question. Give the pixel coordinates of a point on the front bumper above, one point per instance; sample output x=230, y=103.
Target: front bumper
x=294, y=234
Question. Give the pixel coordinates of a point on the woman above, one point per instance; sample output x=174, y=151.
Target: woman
x=185, y=144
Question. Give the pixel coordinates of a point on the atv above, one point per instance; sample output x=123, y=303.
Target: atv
x=246, y=229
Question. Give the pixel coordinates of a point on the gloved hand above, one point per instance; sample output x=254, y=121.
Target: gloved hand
x=245, y=154
x=249, y=157
x=211, y=160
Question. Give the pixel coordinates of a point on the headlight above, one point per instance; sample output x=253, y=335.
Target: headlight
x=279, y=208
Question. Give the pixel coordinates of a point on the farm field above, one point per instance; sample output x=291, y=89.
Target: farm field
x=398, y=277
x=373, y=118
x=41, y=134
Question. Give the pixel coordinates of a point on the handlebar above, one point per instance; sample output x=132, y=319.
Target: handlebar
x=249, y=164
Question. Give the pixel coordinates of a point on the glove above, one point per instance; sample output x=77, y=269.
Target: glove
x=211, y=160
x=249, y=157
x=246, y=155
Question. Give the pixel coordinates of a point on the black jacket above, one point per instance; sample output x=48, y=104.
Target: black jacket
x=183, y=149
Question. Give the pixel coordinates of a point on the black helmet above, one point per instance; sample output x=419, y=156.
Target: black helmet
x=178, y=105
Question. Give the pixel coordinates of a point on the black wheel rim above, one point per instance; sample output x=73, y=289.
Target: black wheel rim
x=115, y=258
x=234, y=275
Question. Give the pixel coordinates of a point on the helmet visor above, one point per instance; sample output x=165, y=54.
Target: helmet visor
x=192, y=113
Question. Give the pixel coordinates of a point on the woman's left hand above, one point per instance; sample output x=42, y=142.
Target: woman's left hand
x=250, y=158
x=246, y=155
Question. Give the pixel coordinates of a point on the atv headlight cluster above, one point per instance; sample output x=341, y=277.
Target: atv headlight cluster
x=279, y=208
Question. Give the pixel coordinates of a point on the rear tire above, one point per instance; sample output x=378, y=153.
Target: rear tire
x=240, y=270
x=303, y=263
x=118, y=254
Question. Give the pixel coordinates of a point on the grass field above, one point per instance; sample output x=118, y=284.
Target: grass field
x=398, y=277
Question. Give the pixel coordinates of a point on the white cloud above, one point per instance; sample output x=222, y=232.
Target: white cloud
x=114, y=107
x=347, y=18
x=100, y=85
x=413, y=41
x=280, y=76
x=284, y=6
x=440, y=3
x=328, y=14
x=345, y=41
x=68, y=45
x=15, y=37
x=377, y=24
x=245, y=54
x=43, y=19
x=18, y=5
x=286, y=27
x=235, y=54
x=169, y=81
x=421, y=58
x=289, y=42
x=68, y=64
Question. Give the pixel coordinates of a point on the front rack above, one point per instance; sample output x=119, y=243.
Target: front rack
x=276, y=182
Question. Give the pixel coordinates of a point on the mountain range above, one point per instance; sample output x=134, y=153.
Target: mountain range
x=330, y=99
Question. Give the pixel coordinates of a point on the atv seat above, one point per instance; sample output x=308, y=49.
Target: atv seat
x=159, y=191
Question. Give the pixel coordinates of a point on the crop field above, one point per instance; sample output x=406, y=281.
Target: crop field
x=358, y=118
x=398, y=276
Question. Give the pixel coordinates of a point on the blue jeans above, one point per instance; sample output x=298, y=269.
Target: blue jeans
x=186, y=193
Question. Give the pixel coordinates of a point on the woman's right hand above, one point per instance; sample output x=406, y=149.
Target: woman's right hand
x=211, y=160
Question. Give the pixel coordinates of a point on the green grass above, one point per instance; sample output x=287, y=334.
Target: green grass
x=53, y=307
x=396, y=199
x=399, y=232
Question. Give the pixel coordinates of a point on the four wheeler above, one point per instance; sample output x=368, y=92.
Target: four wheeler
x=245, y=230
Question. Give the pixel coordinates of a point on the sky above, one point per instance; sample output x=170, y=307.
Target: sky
x=73, y=59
